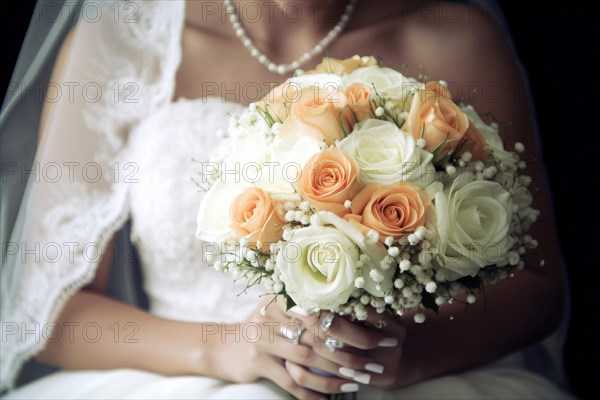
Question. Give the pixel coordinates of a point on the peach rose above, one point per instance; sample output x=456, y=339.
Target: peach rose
x=328, y=180
x=438, y=89
x=473, y=142
x=277, y=102
x=253, y=216
x=435, y=117
x=321, y=114
x=359, y=101
x=395, y=211
x=338, y=67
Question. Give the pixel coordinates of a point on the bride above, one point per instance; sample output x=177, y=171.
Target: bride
x=138, y=90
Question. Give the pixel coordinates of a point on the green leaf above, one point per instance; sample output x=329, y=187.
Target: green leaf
x=471, y=282
x=289, y=303
x=428, y=300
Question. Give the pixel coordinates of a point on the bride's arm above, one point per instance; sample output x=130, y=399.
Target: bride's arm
x=512, y=315
x=519, y=311
x=121, y=336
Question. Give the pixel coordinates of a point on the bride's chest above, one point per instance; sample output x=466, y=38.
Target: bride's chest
x=167, y=152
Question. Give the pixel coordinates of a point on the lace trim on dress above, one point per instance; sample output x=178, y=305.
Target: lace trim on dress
x=135, y=71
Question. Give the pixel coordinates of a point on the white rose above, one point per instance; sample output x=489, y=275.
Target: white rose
x=472, y=220
x=245, y=155
x=288, y=155
x=492, y=139
x=386, y=155
x=374, y=249
x=323, y=81
x=318, y=267
x=388, y=82
x=214, y=223
x=318, y=264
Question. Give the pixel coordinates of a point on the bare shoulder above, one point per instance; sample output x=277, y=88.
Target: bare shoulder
x=471, y=51
x=463, y=45
x=457, y=42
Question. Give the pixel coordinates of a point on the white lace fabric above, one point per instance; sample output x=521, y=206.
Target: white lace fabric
x=168, y=148
x=128, y=67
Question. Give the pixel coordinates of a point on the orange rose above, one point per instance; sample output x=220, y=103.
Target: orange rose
x=359, y=101
x=395, y=211
x=331, y=65
x=328, y=180
x=277, y=102
x=320, y=114
x=253, y=216
x=474, y=142
x=438, y=89
x=436, y=118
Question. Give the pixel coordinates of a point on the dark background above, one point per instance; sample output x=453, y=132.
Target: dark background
x=555, y=43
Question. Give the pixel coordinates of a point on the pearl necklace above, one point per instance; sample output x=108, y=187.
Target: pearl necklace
x=284, y=69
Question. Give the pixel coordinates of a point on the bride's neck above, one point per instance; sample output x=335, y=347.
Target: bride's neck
x=288, y=17
x=277, y=27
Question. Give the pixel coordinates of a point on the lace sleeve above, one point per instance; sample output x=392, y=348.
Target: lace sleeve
x=120, y=67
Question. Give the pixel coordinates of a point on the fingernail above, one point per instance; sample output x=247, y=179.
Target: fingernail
x=388, y=342
x=349, y=387
x=377, y=368
x=362, y=378
x=347, y=372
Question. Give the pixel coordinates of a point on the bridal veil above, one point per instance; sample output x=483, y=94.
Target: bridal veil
x=61, y=207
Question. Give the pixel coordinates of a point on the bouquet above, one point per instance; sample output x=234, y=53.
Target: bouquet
x=352, y=185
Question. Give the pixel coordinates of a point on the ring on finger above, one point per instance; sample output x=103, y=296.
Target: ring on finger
x=293, y=335
x=327, y=322
x=297, y=335
x=333, y=344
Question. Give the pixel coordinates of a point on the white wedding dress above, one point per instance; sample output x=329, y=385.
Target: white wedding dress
x=179, y=286
x=162, y=205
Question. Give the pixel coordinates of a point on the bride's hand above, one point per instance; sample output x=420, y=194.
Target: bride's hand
x=362, y=352
x=260, y=348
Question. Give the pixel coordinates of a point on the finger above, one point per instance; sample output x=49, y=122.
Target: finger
x=352, y=334
x=385, y=379
x=344, y=364
x=350, y=358
x=308, y=319
x=301, y=354
x=313, y=352
x=319, y=383
x=322, y=326
x=376, y=319
x=280, y=375
x=384, y=321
